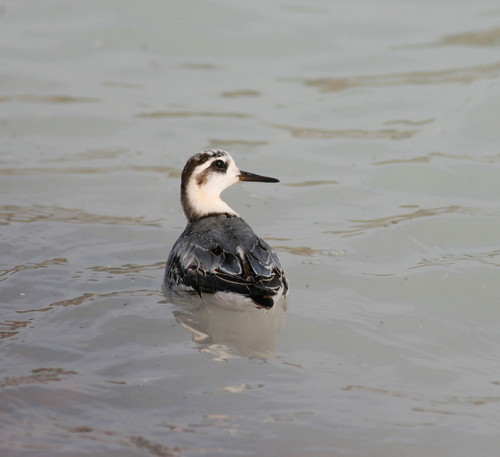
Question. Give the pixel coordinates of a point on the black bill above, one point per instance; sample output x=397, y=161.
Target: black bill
x=246, y=176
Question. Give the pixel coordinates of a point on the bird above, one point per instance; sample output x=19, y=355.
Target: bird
x=218, y=257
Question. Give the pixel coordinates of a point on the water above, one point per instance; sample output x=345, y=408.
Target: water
x=382, y=121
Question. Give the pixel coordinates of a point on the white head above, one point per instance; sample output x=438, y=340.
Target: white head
x=204, y=177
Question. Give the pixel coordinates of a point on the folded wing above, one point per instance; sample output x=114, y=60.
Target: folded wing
x=222, y=254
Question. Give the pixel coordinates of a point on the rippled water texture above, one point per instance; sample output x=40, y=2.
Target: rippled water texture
x=382, y=121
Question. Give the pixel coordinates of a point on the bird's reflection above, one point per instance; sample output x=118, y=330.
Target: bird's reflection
x=227, y=333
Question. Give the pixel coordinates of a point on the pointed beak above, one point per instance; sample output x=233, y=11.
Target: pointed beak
x=246, y=176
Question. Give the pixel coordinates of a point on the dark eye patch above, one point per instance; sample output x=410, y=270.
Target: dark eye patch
x=219, y=164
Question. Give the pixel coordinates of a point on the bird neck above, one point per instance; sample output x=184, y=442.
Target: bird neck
x=198, y=202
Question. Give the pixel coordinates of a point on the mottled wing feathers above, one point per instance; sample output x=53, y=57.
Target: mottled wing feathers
x=222, y=253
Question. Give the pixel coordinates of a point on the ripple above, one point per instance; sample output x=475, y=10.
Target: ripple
x=169, y=171
x=41, y=432
x=89, y=296
x=52, y=99
x=482, y=38
x=491, y=258
x=356, y=134
x=427, y=158
x=39, y=213
x=162, y=114
x=409, y=122
x=488, y=38
x=123, y=85
x=91, y=154
x=298, y=250
x=462, y=75
x=10, y=328
x=4, y=274
x=377, y=390
x=37, y=376
x=130, y=269
x=214, y=143
x=241, y=93
x=153, y=448
x=199, y=66
x=362, y=225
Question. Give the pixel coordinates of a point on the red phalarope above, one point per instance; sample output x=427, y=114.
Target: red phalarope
x=218, y=256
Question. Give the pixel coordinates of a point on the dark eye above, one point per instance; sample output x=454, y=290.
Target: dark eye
x=220, y=164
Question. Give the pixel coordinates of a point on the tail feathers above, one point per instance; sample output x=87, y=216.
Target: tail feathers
x=263, y=301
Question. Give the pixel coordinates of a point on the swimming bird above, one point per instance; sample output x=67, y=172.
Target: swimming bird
x=218, y=256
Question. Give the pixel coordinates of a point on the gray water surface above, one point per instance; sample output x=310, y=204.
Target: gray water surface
x=382, y=121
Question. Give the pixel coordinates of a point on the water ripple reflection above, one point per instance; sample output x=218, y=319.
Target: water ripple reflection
x=488, y=38
x=38, y=213
x=37, y=376
x=10, y=328
x=225, y=333
x=362, y=226
x=5, y=274
x=61, y=433
x=427, y=158
x=169, y=171
x=89, y=296
x=453, y=258
x=130, y=269
x=180, y=114
x=359, y=134
x=52, y=99
x=462, y=75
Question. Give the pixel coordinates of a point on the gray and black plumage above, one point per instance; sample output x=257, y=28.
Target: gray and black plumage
x=218, y=255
